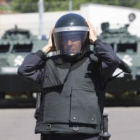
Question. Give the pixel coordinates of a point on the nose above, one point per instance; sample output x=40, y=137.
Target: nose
x=69, y=42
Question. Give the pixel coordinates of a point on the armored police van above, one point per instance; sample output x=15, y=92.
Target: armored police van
x=15, y=44
x=127, y=47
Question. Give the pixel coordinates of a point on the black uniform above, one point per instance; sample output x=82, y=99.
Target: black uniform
x=73, y=84
x=72, y=94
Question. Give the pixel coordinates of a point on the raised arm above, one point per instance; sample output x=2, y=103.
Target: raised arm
x=33, y=65
x=108, y=59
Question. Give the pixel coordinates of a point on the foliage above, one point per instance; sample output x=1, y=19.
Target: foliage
x=25, y=6
x=61, y=5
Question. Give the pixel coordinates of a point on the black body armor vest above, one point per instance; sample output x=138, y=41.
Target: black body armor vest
x=72, y=99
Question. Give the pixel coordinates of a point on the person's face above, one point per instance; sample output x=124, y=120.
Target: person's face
x=72, y=44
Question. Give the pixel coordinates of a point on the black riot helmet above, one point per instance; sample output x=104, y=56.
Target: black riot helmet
x=71, y=35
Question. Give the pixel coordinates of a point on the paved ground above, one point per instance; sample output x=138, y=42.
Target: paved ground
x=124, y=123
x=18, y=124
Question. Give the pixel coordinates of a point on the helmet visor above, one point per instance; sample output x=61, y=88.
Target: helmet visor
x=70, y=43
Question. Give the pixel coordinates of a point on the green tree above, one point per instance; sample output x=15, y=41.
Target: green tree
x=60, y=5
x=24, y=5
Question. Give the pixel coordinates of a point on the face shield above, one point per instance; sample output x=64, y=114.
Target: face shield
x=69, y=42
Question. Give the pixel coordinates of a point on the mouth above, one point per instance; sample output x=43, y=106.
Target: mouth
x=72, y=50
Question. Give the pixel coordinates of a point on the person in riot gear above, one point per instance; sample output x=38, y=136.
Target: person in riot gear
x=72, y=82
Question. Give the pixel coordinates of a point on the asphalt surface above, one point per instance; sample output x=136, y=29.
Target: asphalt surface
x=19, y=124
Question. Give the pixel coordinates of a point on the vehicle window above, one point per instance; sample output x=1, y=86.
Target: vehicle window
x=4, y=48
x=127, y=48
x=22, y=48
